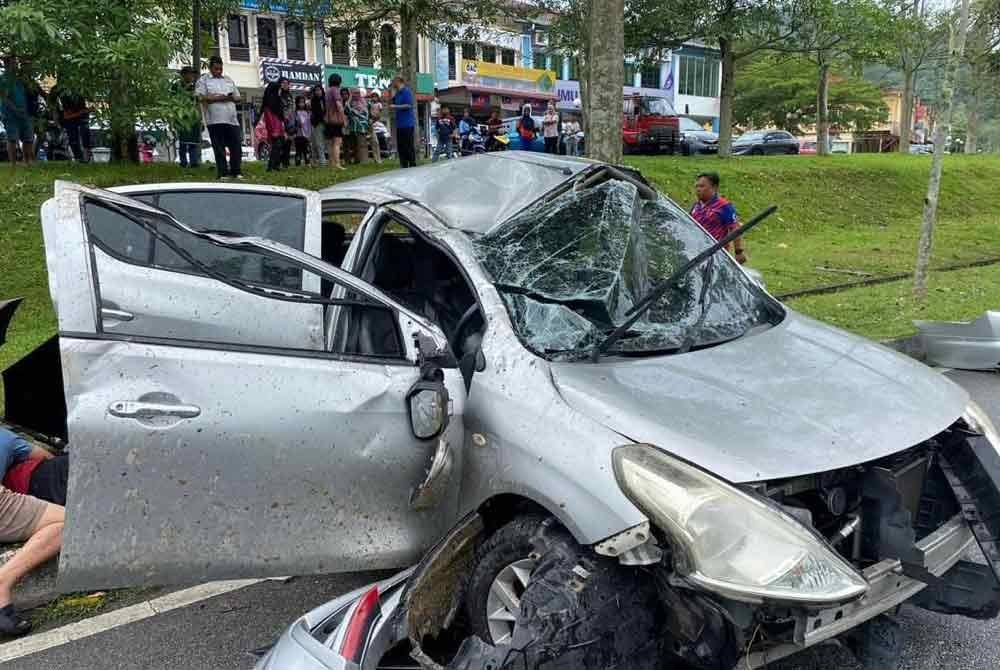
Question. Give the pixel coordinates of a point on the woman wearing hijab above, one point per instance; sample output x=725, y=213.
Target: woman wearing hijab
x=526, y=129
x=358, y=122
x=273, y=118
x=317, y=114
x=550, y=129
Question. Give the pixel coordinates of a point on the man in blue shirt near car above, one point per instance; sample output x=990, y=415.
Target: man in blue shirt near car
x=23, y=518
x=404, y=105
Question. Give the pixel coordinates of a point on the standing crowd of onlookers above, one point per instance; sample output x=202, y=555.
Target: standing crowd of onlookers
x=34, y=121
x=329, y=126
x=559, y=135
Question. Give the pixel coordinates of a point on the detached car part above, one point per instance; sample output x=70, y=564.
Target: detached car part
x=971, y=345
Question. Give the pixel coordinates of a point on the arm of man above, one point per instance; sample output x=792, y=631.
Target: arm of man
x=235, y=94
x=738, y=247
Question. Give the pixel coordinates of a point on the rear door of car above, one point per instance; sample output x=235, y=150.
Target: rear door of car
x=287, y=215
x=204, y=454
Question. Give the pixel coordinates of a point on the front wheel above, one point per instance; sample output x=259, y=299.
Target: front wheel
x=503, y=568
x=535, y=588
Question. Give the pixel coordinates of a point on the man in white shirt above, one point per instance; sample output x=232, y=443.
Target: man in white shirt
x=218, y=94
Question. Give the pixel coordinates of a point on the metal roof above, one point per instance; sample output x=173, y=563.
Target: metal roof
x=473, y=193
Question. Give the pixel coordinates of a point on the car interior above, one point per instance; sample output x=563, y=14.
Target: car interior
x=414, y=272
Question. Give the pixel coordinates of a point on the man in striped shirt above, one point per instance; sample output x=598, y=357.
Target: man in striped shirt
x=716, y=214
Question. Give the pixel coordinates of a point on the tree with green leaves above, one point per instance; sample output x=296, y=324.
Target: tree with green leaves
x=956, y=47
x=779, y=90
x=980, y=78
x=919, y=38
x=112, y=52
x=835, y=34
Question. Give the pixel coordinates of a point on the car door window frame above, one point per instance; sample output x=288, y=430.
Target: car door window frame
x=406, y=359
x=156, y=193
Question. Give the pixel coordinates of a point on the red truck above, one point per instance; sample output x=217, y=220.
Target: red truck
x=649, y=125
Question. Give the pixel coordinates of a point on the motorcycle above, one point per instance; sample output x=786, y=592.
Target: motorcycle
x=475, y=141
x=498, y=141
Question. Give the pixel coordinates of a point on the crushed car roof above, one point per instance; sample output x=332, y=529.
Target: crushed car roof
x=472, y=194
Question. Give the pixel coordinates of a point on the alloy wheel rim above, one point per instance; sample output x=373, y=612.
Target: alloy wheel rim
x=504, y=600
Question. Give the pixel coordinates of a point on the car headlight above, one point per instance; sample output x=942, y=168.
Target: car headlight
x=977, y=419
x=728, y=541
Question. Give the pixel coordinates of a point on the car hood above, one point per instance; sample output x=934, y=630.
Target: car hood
x=704, y=135
x=796, y=399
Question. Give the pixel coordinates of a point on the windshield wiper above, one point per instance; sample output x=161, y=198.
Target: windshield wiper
x=647, y=301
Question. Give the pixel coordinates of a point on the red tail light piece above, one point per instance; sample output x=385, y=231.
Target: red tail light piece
x=365, y=615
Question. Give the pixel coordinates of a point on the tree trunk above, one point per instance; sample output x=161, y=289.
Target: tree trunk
x=972, y=129
x=196, y=35
x=726, y=97
x=941, y=129
x=906, y=115
x=823, y=108
x=408, y=45
x=605, y=78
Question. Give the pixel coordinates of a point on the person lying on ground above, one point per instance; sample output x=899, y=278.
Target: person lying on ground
x=24, y=518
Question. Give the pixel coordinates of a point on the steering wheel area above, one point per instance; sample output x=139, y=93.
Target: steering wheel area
x=463, y=324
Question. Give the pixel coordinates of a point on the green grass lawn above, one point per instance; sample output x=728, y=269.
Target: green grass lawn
x=859, y=213
x=856, y=213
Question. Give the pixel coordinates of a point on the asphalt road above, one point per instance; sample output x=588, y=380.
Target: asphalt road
x=221, y=633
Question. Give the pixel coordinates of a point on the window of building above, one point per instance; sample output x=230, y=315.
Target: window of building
x=538, y=60
x=239, y=38
x=340, y=47
x=365, y=46
x=507, y=56
x=267, y=38
x=574, y=69
x=295, y=41
x=489, y=53
x=698, y=75
x=650, y=76
x=452, y=66
x=209, y=38
x=387, y=45
x=557, y=62
x=468, y=51
x=630, y=70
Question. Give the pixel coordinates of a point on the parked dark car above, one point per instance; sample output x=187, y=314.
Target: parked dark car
x=760, y=142
x=697, y=140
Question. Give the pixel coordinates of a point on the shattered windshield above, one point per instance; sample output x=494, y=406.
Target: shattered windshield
x=569, y=269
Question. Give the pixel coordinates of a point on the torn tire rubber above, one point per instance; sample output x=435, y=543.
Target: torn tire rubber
x=583, y=611
x=878, y=643
x=509, y=544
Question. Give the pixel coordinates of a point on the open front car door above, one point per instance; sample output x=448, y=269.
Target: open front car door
x=248, y=434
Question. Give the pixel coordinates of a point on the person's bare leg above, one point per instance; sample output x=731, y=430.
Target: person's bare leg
x=337, y=143
x=12, y=154
x=44, y=543
x=29, y=152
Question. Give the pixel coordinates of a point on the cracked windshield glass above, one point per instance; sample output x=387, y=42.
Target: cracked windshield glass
x=570, y=269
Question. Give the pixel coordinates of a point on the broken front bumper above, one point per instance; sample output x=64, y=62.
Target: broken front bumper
x=888, y=587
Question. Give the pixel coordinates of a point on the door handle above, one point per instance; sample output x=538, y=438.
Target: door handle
x=133, y=409
x=116, y=314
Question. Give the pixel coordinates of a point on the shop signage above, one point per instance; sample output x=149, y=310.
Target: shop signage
x=568, y=93
x=373, y=79
x=507, y=77
x=302, y=75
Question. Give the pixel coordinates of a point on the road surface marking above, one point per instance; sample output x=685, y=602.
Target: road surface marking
x=33, y=644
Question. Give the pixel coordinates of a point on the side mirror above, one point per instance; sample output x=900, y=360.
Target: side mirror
x=427, y=404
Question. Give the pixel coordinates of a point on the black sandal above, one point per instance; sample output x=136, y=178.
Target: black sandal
x=11, y=623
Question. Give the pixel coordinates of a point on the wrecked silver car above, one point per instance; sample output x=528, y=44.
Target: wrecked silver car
x=418, y=368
